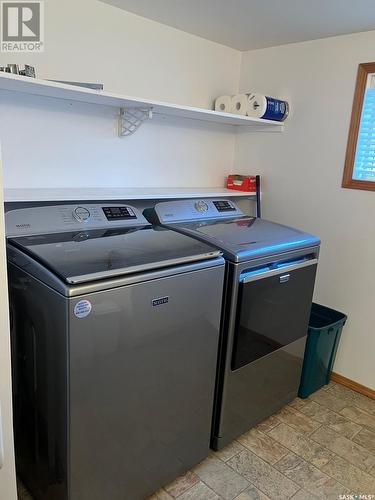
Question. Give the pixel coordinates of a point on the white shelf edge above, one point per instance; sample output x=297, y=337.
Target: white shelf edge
x=82, y=194
x=38, y=87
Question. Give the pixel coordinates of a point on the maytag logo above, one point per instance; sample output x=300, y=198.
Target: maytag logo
x=21, y=226
x=160, y=301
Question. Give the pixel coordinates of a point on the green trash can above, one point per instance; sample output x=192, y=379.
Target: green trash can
x=323, y=336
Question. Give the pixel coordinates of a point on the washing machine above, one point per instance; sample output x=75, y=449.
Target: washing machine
x=115, y=329
x=269, y=283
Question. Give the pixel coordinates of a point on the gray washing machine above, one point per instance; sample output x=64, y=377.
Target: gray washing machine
x=115, y=328
x=270, y=276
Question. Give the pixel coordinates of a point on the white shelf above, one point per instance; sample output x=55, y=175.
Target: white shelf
x=34, y=86
x=81, y=194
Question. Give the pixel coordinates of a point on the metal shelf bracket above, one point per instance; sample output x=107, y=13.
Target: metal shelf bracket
x=130, y=119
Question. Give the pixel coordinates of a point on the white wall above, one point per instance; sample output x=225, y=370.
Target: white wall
x=54, y=144
x=7, y=472
x=302, y=170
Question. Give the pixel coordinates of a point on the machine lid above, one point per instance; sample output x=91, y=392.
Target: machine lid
x=247, y=238
x=82, y=256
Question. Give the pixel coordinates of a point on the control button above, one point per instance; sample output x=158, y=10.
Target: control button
x=81, y=214
x=201, y=206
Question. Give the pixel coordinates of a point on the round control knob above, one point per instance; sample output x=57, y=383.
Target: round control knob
x=201, y=206
x=81, y=214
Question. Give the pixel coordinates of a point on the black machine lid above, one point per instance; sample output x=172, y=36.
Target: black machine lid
x=82, y=256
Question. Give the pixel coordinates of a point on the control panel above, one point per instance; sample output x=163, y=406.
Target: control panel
x=60, y=218
x=224, y=206
x=192, y=210
x=119, y=213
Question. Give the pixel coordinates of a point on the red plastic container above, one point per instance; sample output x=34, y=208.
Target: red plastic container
x=242, y=183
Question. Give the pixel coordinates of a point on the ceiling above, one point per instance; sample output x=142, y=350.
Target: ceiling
x=252, y=24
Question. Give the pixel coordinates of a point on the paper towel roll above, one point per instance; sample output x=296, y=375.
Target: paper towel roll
x=239, y=104
x=269, y=108
x=224, y=104
x=256, y=105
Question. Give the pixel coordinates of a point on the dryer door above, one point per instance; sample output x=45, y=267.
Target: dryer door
x=273, y=308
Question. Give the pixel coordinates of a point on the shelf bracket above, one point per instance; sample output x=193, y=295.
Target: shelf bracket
x=130, y=119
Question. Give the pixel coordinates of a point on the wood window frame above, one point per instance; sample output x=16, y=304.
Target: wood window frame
x=364, y=70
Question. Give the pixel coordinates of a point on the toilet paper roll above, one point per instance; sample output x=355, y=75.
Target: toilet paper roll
x=239, y=104
x=256, y=105
x=224, y=104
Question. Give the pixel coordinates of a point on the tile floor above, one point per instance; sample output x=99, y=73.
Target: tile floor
x=320, y=447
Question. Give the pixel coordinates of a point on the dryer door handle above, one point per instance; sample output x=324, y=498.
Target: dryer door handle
x=268, y=271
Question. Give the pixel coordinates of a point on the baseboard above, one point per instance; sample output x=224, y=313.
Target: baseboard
x=362, y=389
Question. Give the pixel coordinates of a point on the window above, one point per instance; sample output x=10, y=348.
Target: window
x=359, y=172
